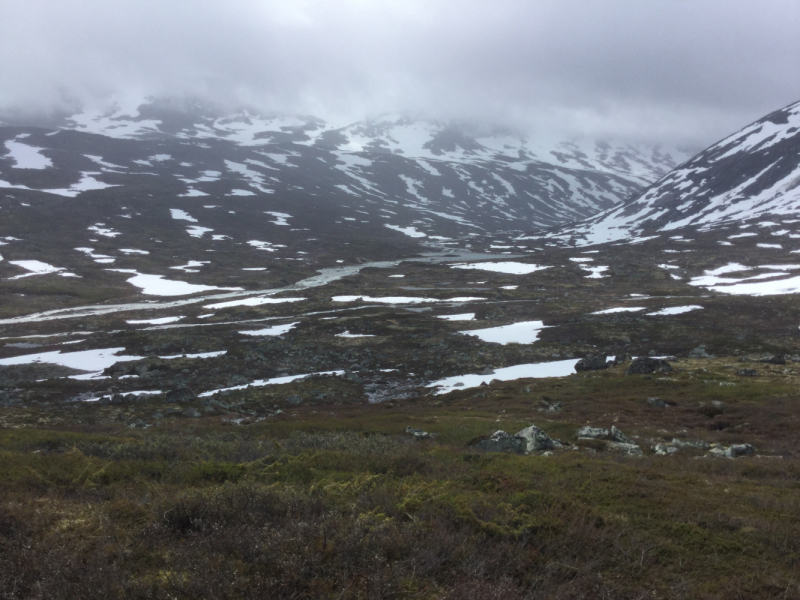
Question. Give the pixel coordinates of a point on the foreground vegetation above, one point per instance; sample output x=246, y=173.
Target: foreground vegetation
x=345, y=504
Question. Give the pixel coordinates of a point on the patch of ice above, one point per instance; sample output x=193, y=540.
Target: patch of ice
x=619, y=309
x=197, y=231
x=192, y=266
x=265, y=246
x=402, y=299
x=27, y=157
x=83, y=360
x=560, y=368
x=525, y=332
x=100, y=229
x=156, y=285
x=256, y=301
x=181, y=215
x=458, y=317
x=409, y=231
x=595, y=272
x=98, y=258
x=674, y=310
x=280, y=218
x=272, y=331
x=274, y=381
x=507, y=267
x=161, y=321
x=347, y=334
x=35, y=267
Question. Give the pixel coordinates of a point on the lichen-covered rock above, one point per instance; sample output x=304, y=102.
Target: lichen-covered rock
x=500, y=441
x=536, y=439
x=181, y=394
x=592, y=362
x=418, y=434
x=630, y=449
x=657, y=403
x=645, y=365
x=734, y=451
x=593, y=433
x=664, y=449
x=617, y=436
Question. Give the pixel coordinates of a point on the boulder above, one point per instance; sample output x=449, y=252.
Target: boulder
x=593, y=433
x=699, y=352
x=418, y=434
x=657, y=403
x=617, y=436
x=626, y=448
x=500, y=441
x=191, y=412
x=747, y=373
x=181, y=394
x=535, y=439
x=774, y=359
x=734, y=451
x=294, y=399
x=645, y=365
x=592, y=362
x=698, y=444
x=237, y=379
x=664, y=449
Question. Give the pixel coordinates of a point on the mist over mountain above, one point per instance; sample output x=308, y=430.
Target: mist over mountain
x=418, y=176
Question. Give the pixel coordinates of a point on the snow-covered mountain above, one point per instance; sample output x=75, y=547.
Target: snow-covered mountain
x=752, y=175
x=443, y=178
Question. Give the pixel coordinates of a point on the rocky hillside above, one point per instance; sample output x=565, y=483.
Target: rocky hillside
x=751, y=176
x=421, y=176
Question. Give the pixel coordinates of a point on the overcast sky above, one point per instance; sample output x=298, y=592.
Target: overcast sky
x=686, y=72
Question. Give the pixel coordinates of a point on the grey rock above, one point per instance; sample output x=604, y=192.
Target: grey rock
x=747, y=373
x=418, y=434
x=618, y=436
x=592, y=362
x=645, y=365
x=488, y=371
x=698, y=444
x=657, y=403
x=500, y=441
x=734, y=451
x=593, y=433
x=191, y=412
x=664, y=449
x=699, y=352
x=138, y=423
x=774, y=359
x=294, y=399
x=237, y=379
x=181, y=394
x=630, y=449
x=535, y=439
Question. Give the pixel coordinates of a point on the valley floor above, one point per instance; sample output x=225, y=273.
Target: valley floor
x=330, y=435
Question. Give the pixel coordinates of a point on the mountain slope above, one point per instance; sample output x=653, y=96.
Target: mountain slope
x=753, y=174
x=443, y=178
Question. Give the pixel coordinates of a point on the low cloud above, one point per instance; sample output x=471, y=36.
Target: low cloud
x=677, y=72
